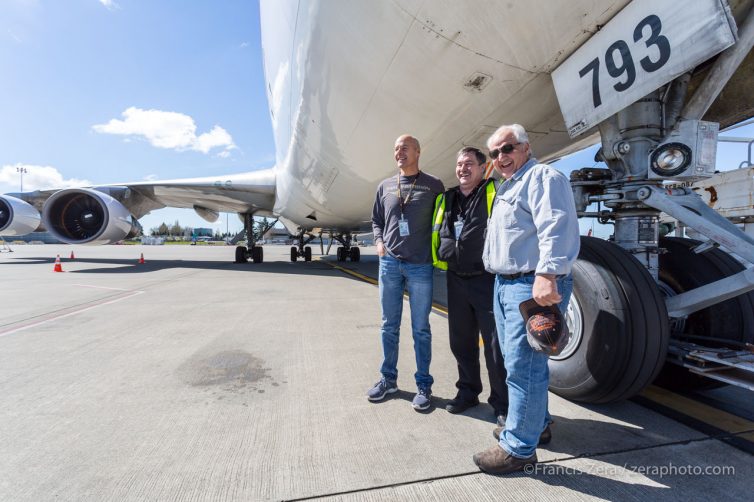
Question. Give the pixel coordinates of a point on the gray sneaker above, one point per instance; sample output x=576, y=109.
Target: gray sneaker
x=381, y=389
x=422, y=399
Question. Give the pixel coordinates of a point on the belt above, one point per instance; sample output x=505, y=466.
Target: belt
x=468, y=274
x=510, y=277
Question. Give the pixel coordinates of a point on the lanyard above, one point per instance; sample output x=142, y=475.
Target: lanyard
x=401, y=201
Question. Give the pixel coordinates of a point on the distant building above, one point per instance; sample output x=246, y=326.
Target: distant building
x=203, y=232
x=277, y=236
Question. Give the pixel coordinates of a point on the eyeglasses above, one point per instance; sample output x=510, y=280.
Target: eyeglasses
x=506, y=149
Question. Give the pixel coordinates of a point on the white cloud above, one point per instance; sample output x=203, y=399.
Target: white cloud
x=110, y=4
x=14, y=37
x=35, y=178
x=169, y=130
x=151, y=177
x=243, y=45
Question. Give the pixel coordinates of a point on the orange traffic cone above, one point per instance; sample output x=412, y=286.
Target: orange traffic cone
x=72, y=257
x=58, y=267
x=141, y=260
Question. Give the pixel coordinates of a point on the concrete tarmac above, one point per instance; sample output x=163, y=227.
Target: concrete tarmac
x=190, y=377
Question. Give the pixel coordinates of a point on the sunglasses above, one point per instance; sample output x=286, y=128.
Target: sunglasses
x=506, y=149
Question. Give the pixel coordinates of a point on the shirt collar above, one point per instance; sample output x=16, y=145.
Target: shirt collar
x=518, y=174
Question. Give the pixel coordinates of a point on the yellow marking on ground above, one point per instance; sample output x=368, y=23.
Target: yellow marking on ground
x=717, y=418
x=435, y=306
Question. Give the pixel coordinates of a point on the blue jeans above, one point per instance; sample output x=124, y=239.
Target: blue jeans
x=395, y=275
x=528, y=374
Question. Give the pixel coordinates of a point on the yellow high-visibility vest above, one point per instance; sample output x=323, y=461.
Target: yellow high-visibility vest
x=439, y=213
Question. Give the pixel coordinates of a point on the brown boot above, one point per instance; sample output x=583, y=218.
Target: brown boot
x=495, y=460
x=544, y=438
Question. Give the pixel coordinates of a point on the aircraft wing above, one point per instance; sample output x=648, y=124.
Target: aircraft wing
x=108, y=213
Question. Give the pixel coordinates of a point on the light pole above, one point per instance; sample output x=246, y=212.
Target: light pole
x=22, y=170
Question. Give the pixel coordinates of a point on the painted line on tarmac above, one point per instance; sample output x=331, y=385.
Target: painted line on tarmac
x=62, y=314
x=700, y=416
x=436, y=307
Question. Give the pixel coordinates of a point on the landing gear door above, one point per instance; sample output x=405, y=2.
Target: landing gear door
x=646, y=45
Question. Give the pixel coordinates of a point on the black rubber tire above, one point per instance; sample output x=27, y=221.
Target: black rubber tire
x=341, y=254
x=355, y=254
x=294, y=254
x=624, y=340
x=682, y=270
x=257, y=254
x=242, y=256
x=307, y=253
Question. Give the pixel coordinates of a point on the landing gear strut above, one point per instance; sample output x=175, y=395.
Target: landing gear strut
x=641, y=295
x=347, y=250
x=302, y=250
x=251, y=250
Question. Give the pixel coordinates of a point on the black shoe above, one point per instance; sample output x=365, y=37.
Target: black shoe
x=544, y=438
x=459, y=405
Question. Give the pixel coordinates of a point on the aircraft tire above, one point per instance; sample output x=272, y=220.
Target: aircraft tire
x=294, y=254
x=681, y=270
x=257, y=254
x=619, y=328
x=307, y=253
x=242, y=255
x=355, y=254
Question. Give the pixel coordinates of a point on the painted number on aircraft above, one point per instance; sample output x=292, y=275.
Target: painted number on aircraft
x=643, y=47
x=624, y=66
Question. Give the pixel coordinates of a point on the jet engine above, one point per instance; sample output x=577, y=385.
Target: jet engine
x=86, y=216
x=17, y=217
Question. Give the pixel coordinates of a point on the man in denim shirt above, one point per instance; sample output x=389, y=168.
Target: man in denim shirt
x=402, y=225
x=532, y=242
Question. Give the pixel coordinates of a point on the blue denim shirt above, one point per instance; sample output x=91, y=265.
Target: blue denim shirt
x=533, y=225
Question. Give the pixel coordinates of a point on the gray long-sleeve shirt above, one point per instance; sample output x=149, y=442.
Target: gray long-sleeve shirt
x=533, y=225
x=386, y=214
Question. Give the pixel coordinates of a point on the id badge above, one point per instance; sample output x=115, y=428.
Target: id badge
x=458, y=225
x=403, y=227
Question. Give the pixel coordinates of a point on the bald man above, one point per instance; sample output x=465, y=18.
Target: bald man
x=402, y=225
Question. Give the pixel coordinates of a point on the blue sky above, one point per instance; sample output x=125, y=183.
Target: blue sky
x=101, y=92
x=107, y=91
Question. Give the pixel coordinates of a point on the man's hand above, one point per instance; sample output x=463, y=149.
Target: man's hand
x=545, y=290
x=380, y=249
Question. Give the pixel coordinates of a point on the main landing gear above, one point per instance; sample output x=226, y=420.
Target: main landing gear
x=302, y=250
x=251, y=250
x=347, y=250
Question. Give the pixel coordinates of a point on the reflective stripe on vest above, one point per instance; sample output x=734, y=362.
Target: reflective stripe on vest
x=436, y=224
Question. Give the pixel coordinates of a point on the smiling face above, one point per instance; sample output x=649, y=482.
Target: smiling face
x=407, y=154
x=468, y=172
x=508, y=163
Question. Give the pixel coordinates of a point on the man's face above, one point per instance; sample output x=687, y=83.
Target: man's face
x=406, y=152
x=508, y=163
x=468, y=171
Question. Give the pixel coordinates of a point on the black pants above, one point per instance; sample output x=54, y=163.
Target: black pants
x=469, y=314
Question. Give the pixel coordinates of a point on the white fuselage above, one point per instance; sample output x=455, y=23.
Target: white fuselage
x=345, y=78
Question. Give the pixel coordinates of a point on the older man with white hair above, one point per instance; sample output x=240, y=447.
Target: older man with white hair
x=532, y=242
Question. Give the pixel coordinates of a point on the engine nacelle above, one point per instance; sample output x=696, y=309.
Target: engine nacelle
x=17, y=217
x=86, y=216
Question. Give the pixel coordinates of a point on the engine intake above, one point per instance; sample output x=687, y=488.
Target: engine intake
x=86, y=216
x=17, y=217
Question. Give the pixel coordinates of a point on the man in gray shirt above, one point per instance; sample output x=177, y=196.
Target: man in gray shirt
x=402, y=225
x=531, y=244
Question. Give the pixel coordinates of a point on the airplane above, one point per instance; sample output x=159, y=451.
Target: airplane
x=650, y=81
